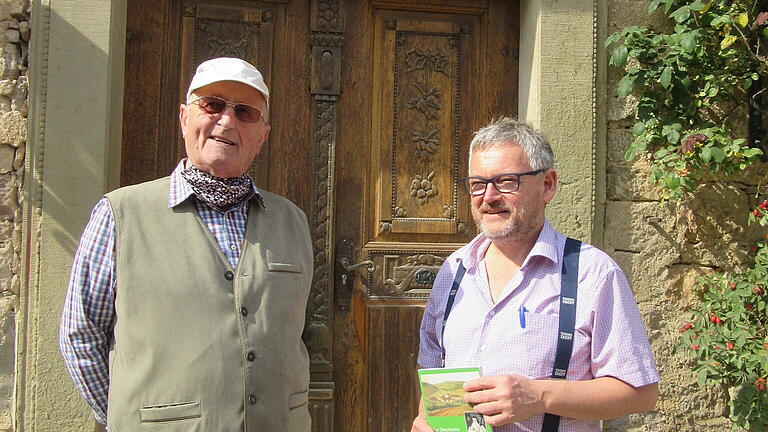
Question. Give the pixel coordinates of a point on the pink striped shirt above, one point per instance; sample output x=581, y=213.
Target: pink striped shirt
x=609, y=336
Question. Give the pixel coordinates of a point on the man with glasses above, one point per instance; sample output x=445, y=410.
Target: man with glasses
x=187, y=297
x=551, y=322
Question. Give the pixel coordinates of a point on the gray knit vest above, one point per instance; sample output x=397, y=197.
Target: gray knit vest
x=198, y=345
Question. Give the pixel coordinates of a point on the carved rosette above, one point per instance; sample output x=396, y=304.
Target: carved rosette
x=218, y=37
x=424, y=134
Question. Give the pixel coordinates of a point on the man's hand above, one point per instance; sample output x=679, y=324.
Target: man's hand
x=504, y=399
x=420, y=425
x=420, y=422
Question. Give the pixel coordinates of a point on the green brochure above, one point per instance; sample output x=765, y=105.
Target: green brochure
x=443, y=395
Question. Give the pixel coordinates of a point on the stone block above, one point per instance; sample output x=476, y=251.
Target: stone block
x=618, y=144
x=7, y=156
x=8, y=197
x=25, y=31
x=716, y=232
x=642, y=227
x=7, y=87
x=20, y=96
x=13, y=128
x=629, y=182
x=12, y=36
x=16, y=8
x=18, y=158
x=10, y=59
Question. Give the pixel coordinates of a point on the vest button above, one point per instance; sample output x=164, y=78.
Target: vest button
x=229, y=275
x=244, y=311
x=251, y=356
x=252, y=399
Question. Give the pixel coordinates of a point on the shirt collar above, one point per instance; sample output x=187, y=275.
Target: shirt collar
x=546, y=246
x=180, y=190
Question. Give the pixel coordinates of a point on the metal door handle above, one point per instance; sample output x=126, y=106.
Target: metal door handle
x=370, y=266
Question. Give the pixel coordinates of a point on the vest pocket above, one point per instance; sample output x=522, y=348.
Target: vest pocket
x=298, y=399
x=170, y=412
x=283, y=267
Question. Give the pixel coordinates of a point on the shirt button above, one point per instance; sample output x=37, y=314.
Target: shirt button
x=233, y=247
x=244, y=311
x=229, y=275
x=252, y=399
x=251, y=356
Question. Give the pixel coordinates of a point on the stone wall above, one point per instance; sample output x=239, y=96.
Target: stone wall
x=14, y=40
x=663, y=248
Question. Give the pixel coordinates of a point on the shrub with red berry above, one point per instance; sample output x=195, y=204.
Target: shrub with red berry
x=733, y=313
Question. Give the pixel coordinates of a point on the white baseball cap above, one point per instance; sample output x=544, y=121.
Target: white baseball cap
x=228, y=69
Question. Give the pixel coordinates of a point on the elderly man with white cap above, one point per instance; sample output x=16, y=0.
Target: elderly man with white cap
x=187, y=297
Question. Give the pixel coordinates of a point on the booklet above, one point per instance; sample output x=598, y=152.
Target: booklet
x=443, y=394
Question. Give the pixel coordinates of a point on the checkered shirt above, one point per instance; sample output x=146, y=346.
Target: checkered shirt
x=89, y=308
x=609, y=337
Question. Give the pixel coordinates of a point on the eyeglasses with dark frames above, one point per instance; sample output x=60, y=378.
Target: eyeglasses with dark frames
x=215, y=105
x=504, y=183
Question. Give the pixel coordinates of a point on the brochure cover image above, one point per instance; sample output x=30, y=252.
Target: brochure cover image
x=442, y=391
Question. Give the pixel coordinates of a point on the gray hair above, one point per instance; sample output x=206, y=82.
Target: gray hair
x=507, y=131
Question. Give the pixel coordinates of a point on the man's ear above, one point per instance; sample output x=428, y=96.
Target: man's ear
x=550, y=185
x=183, y=119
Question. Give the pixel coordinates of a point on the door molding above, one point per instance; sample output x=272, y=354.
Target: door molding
x=327, y=35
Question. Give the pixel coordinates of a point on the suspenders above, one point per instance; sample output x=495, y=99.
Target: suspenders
x=568, y=291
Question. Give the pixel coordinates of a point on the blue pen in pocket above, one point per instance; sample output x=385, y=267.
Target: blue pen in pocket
x=523, y=310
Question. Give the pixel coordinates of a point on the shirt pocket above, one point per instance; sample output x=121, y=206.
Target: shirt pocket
x=171, y=412
x=531, y=350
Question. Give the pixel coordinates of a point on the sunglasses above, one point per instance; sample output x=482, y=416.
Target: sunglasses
x=214, y=105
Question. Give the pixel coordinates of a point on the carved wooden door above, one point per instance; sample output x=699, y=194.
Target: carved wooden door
x=373, y=104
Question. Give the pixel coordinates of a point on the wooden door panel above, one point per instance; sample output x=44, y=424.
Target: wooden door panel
x=425, y=68
x=372, y=106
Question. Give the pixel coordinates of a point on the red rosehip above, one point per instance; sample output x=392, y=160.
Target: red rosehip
x=716, y=347
x=756, y=212
x=749, y=306
x=687, y=326
x=757, y=290
x=763, y=205
x=753, y=248
x=713, y=318
x=729, y=345
x=733, y=286
x=694, y=347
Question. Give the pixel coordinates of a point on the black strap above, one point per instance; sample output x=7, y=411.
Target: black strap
x=451, y=297
x=568, y=291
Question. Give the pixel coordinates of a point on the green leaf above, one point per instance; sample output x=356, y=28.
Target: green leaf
x=688, y=41
x=697, y=6
x=706, y=154
x=717, y=154
x=666, y=77
x=619, y=57
x=638, y=128
x=701, y=377
x=681, y=14
x=610, y=40
x=626, y=83
x=721, y=20
x=706, y=7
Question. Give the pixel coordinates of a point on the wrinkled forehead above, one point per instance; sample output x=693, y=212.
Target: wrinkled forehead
x=496, y=159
